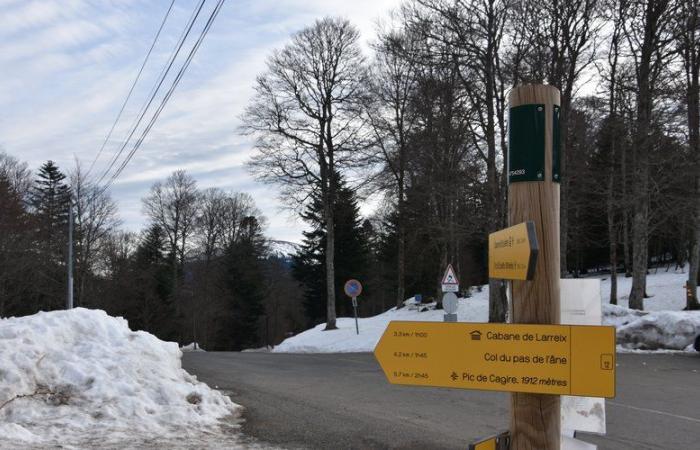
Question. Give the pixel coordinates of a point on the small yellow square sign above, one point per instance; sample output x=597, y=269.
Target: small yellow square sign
x=513, y=252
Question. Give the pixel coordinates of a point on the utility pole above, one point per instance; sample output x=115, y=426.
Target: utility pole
x=69, y=297
x=533, y=195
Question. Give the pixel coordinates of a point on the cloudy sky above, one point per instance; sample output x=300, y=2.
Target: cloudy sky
x=67, y=66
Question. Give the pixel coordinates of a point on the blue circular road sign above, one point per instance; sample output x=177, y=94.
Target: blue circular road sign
x=353, y=288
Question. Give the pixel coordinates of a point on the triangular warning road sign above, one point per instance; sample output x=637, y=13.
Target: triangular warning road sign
x=450, y=277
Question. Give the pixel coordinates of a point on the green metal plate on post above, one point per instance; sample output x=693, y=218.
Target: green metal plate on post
x=556, y=146
x=526, y=143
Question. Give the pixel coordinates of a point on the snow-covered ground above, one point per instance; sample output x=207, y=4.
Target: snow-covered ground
x=83, y=379
x=667, y=290
x=192, y=347
x=663, y=326
x=345, y=339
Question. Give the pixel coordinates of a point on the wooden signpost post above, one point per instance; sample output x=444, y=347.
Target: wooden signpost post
x=533, y=195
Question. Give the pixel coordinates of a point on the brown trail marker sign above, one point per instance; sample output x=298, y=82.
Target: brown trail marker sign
x=542, y=359
x=513, y=252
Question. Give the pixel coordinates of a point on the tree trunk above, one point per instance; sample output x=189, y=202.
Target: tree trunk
x=564, y=188
x=692, y=65
x=401, y=250
x=642, y=144
x=81, y=290
x=692, y=298
x=497, y=307
x=640, y=229
x=612, y=231
x=497, y=300
x=174, y=272
x=625, y=217
x=329, y=212
x=330, y=269
x=640, y=218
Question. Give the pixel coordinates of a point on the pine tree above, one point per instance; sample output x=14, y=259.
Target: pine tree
x=351, y=254
x=50, y=199
x=244, y=261
x=153, y=310
x=308, y=268
x=17, y=284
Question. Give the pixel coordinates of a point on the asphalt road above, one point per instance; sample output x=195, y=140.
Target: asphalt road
x=344, y=401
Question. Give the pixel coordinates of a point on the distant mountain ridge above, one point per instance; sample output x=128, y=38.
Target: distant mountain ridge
x=282, y=249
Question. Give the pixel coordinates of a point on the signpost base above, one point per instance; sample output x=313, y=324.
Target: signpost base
x=450, y=317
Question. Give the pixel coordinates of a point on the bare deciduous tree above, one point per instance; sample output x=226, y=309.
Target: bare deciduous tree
x=556, y=44
x=210, y=222
x=17, y=174
x=648, y=34
x=393, y=82
x=307, y=117
x=612, y=8
x=238, y=206
x=172, y=205
x=689, y=40
x=95, y=216
x=475, y=29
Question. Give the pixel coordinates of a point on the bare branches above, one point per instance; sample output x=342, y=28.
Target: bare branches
x=307, y=111
x=173, y=206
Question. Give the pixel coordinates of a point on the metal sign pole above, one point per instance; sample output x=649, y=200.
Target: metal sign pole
x=450, y=285
x=354, y=307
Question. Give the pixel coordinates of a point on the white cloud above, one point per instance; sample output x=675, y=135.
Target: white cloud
x=67, y=66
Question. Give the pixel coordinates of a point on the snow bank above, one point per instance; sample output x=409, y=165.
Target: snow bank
x=619, y=316
x=83, y=376
x=345, y=339
x=670, y=330
x=191, y=347
x=662, y=326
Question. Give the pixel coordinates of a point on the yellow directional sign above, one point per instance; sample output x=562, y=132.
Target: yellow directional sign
x=513, y=252
x=542, y=359
x=496, y=442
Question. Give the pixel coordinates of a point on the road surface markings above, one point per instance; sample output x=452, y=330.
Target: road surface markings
x=654, y=411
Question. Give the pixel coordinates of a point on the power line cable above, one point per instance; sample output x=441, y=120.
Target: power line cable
x=167, y=96
x=155, y=89
x=131, y=90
